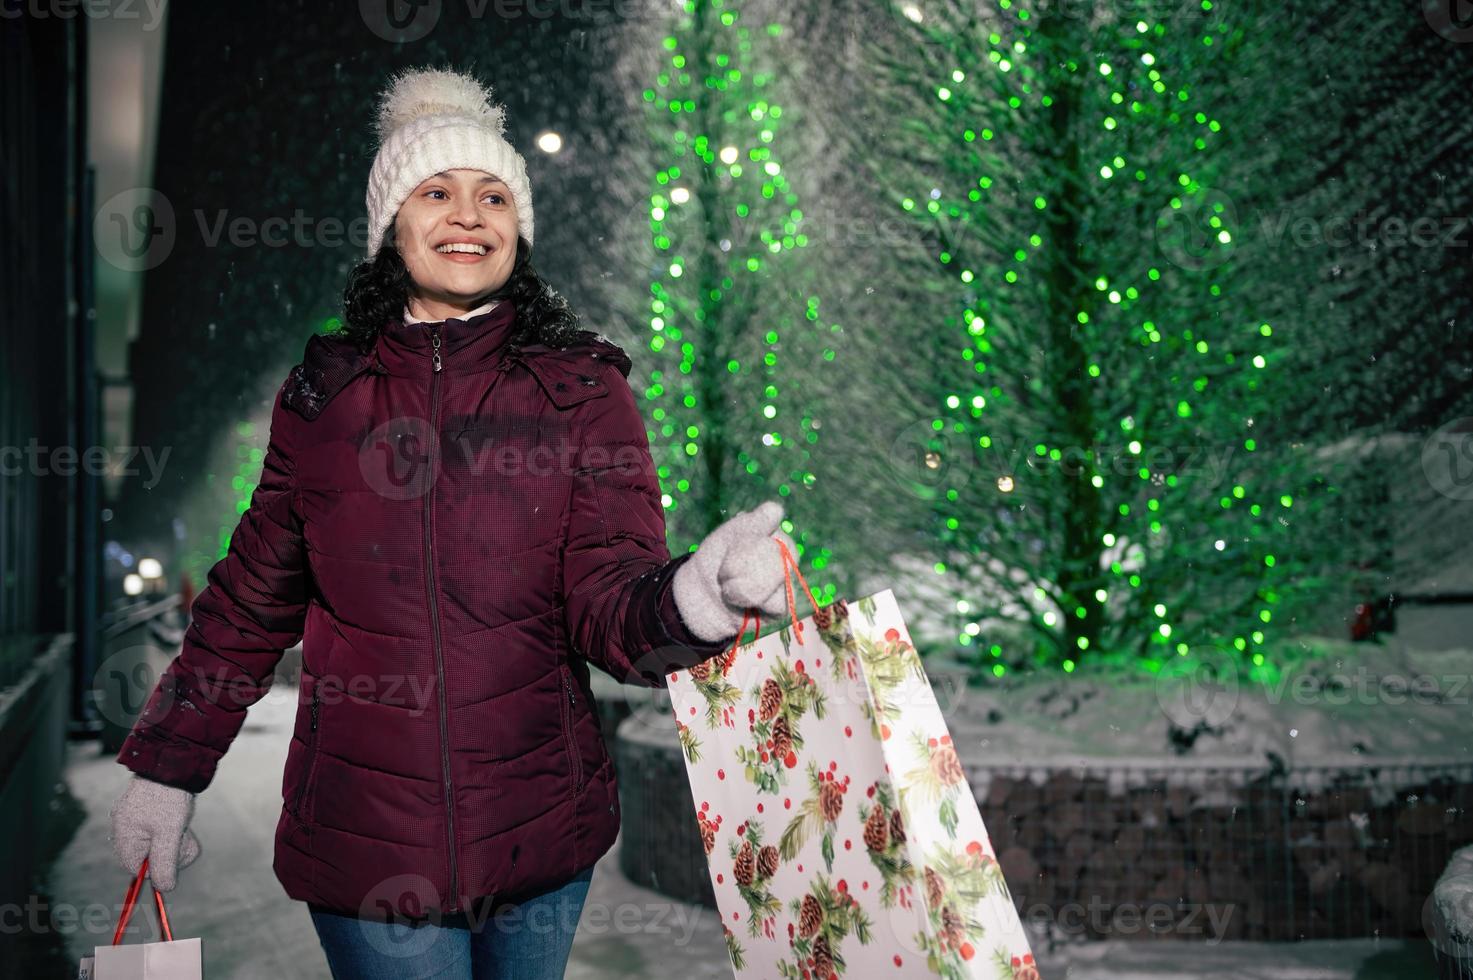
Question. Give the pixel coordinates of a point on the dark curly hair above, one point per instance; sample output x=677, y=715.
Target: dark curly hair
x=378, y=289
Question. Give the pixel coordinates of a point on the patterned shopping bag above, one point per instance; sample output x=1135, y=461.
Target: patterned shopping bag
x=842, y=837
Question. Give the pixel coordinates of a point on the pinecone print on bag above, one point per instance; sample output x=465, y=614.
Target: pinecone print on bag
x=725, y=660
x=701, y=671
x=945, y=764
x=833, y=628
x=891, y=860
x=1024, y=968
x=897, y=827
x=782, y=737
x=745, y=868
x=935, y=889
x=953, y=931
x=830, y=800
x=823, y=958
x=762, y=905
x=810, y=917
x=876, y=832
x=771, y=701
x=708, y=827
x=818, y=813
x=767, y=862
x=708, y=836
x=937, y=774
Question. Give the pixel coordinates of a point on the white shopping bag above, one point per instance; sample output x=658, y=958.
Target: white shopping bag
x=172, y=959
x=180, y=959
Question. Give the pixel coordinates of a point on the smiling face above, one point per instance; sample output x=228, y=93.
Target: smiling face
x=457, y=233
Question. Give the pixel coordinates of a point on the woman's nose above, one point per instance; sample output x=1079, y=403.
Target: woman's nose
x=466, y=214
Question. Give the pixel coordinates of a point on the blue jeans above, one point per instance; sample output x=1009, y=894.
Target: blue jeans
x=527, y=940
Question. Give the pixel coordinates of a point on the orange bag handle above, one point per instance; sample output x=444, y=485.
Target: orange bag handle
x=132, y=898
x=790, y=568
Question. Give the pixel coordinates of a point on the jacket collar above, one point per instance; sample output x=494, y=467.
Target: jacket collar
x=483, y=308
x=470, y=344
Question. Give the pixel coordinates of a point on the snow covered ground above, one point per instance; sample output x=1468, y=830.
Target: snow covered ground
x=1335, y=705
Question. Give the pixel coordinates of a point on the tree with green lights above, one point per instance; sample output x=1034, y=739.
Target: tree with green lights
x=738, y=350
x=1099, y=469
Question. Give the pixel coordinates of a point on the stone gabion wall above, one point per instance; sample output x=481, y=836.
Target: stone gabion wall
x=1204, y=853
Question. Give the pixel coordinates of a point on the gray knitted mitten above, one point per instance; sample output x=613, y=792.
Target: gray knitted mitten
x=738, y=566
x=151, y=820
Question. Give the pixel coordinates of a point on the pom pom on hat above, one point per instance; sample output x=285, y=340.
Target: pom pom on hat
x=431, y=120
x=416, y=93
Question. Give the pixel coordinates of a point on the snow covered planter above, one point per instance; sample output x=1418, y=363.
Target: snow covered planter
x=1320, y=804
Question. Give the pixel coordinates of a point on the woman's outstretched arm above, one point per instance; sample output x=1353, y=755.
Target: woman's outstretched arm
x=617, y=570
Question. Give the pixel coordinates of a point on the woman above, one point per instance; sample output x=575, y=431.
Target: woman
x=459, y=513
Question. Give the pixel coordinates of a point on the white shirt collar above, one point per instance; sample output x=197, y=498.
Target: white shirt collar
x=487, y=308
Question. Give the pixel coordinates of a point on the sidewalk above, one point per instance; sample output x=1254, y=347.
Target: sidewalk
x=252, y=931
x=231, y=899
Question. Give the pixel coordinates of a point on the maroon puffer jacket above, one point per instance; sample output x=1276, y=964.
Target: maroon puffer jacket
x=456, y=543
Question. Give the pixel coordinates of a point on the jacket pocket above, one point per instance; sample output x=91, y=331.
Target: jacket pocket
x=569, y=701
x=304, y=792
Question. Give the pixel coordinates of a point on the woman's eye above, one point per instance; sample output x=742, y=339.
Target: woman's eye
x=498, y=198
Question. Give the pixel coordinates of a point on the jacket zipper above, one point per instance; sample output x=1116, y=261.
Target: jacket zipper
x=568, y=730
x=435, y=615
x=311, y=752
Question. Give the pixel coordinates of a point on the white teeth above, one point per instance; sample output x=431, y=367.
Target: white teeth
x=462, y=247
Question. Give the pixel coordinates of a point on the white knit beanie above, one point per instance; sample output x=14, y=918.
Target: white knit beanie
x=431, y=120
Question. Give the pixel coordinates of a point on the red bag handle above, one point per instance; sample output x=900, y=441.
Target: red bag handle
x=790, y=568
x=132, y=898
